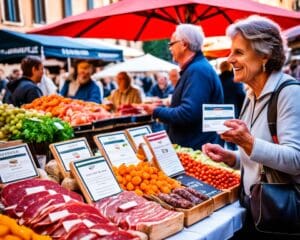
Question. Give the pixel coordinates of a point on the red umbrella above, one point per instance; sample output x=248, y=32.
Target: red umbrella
x=156, y=19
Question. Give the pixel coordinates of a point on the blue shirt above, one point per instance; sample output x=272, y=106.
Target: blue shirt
x=198, y=84
x=88, y=92
x=155, y=91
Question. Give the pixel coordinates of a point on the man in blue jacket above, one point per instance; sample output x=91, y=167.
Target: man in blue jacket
x=25, y=89
x=198, y=84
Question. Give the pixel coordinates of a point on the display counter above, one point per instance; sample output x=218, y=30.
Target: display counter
x=221, y=225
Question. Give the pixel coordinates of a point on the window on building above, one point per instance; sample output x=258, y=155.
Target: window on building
x=39, y=11
x=67, y=8
x=297, y=5
x=90, y=4
x=11, y=10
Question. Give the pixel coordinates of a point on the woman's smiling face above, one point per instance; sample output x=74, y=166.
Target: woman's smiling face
x=247, y=64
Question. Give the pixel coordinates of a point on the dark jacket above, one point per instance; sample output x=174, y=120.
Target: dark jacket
x=155, y=91
x=198, y=84
x=233, y=92
x=87, y=92
x=22, y=91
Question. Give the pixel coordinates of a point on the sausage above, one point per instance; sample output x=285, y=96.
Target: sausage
x=197, y=194
x=187, y=195
x=175, y=202
x=183, y=202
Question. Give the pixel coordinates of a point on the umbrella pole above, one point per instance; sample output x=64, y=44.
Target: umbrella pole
x=68, y=64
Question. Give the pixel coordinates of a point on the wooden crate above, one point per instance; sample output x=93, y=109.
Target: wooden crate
x=220, y=200
x=162, y=229
x=233, y=194
x=191, y=215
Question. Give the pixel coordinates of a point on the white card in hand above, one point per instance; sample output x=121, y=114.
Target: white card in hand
x=214, y=116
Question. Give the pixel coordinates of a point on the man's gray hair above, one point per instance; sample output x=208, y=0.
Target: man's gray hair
x=265, y=38
x=191, y=34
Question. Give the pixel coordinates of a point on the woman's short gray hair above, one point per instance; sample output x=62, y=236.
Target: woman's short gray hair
x=191, y=34
x=265, y=38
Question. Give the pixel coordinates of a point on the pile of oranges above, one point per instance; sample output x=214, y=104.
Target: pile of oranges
x=144, y=178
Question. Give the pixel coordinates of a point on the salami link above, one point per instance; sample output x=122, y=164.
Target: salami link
x=197, y=194
x=182, y=203
x=187, y=195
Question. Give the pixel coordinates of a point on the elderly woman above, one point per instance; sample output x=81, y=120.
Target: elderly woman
x=257, y=56
x=125, y=93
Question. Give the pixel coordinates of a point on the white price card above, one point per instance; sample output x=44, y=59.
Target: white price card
x=16, y=163
x=164, y=153
x=116, y=148
x=69, y=151
x=95, y=178
x=137, y=135
x=214, y=116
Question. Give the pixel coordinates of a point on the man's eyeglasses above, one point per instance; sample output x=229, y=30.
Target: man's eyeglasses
x=170, y=44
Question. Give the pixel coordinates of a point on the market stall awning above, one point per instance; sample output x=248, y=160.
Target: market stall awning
x=153, y=19
x=146, y=63
x=16, y=45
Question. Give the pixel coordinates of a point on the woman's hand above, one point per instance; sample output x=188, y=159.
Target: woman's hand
x=239, y=134
x=219, y=154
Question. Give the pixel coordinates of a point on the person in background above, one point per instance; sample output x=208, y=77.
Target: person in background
x=3, y=83
x=82, y=86
x=198, y=84
x=15, y=74
x=174, y=76
x=233, y=92
x=125, y=93
x=108, y=86
x=257, y=56
x=25, y=89
x=47, y=86
x=147, y=82
x=162, y=88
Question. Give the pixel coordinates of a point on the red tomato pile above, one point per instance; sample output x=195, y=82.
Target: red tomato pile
x=217, y=177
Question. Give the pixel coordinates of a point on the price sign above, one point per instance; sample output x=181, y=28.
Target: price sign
x=136, y=135
x=95, y=178
x=116, y=148
x=68, y=151
x=164, y=153
x=16, y=163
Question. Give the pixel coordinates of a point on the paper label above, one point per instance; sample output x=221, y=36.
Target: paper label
x=214, y=116
x=118, y=149
x=69, y=224
x=16, y=163
x=35, y=190
x=165, y=153
x=72, y=151
x=58, y=215
x=97, y=177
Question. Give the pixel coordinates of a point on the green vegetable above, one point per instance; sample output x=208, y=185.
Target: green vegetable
x=44, y=129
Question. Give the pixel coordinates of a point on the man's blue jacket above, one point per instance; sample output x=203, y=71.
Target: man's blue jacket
x=198, y=84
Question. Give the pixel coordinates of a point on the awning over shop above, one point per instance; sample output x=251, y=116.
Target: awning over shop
x=16, y=45
x=146, y=63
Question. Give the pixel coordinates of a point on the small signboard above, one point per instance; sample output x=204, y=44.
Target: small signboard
x=68, y=151
x=116, y=148
x=95, y=178
x=16, y=163
x=164, y=153
x=136, y=137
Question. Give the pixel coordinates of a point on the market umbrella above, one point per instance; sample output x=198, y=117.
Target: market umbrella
x=146, y=63
x=156, y=19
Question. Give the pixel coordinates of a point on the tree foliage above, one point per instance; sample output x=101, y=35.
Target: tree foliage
x=158, y=48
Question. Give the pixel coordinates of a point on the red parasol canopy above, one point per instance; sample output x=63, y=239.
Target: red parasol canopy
x=156, y=19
